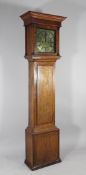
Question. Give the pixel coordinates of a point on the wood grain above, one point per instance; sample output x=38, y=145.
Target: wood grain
x=45, y=95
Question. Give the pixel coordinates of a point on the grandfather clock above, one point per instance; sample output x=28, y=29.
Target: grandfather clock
x=41, y=51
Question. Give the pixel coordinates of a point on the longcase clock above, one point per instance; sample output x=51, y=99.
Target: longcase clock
x=41, y=51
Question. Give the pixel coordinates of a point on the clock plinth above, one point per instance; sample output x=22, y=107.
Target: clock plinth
x=42, y=148
x=41, y=51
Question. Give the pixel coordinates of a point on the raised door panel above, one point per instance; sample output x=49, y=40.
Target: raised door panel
x=46, y=147
x=45, y=95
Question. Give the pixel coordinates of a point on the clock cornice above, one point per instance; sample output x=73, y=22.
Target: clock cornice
x=33, y=17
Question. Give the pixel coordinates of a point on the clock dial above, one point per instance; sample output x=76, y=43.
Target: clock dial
x=45, y=41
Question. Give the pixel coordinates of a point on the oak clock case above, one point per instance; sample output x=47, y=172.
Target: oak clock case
x=41, y=51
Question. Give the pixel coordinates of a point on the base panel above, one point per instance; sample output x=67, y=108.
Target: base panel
x=42, y=148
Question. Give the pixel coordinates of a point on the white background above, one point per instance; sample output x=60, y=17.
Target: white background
x=70, y=78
